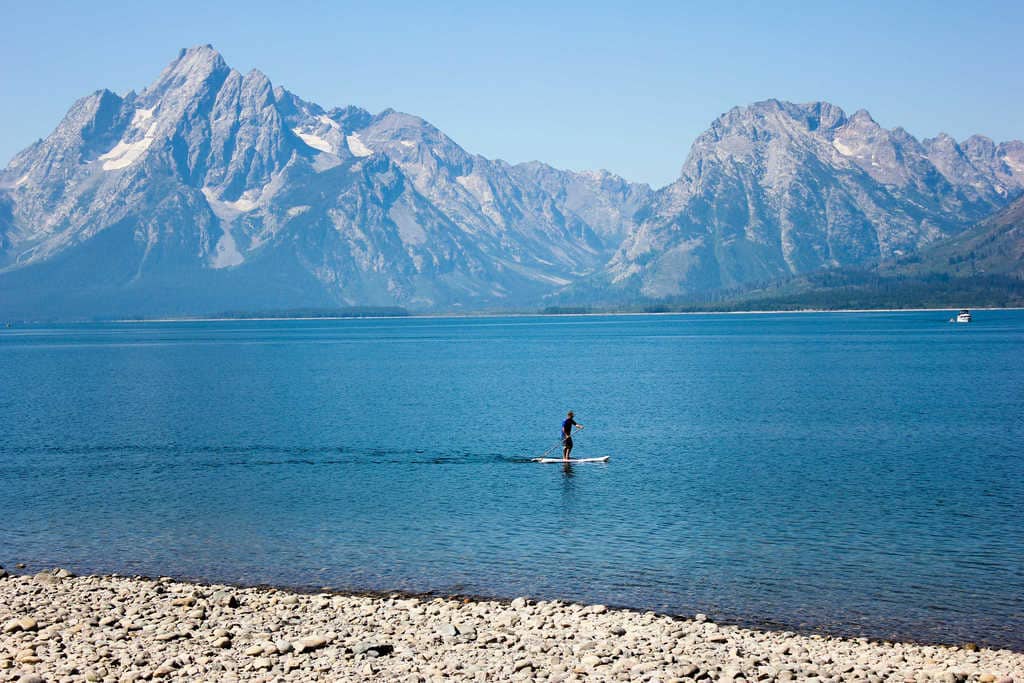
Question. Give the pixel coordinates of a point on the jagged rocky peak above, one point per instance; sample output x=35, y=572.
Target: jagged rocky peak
x=770, y=120
x=1004, y=162
x=248, y=143
x=335, y=132
x=116, y=134
x=744, y=133
x=189, y=73
x=219, y=181
x=892, y=157
x=607, y=202
x=350, y=117
x=91, y=125
x=438, y=167
x=186, y=88
x=824, y=116
x=863, y=117
x=92, y=118
x=969, y=168
x=777, y=116
x=881, y=153
x=943, y=143
x=295, y=110
x=777, y=188
x=979, y=149
x=247, y=196
x=945, y=153
x=413, y=140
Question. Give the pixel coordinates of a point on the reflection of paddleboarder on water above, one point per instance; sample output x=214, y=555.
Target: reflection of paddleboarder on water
x=567, y=426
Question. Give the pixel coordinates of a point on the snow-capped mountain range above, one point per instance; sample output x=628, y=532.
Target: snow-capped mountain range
x=212, y=190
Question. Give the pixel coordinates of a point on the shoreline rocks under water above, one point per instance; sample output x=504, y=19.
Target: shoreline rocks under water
x=57, y=627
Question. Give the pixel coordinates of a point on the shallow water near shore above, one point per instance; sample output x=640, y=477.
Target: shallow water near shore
x=857, y=472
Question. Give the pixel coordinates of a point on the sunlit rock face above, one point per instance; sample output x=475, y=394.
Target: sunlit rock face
x=212, y=190
x=776, y=189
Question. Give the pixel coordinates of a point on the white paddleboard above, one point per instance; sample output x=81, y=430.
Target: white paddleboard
x=572, y=461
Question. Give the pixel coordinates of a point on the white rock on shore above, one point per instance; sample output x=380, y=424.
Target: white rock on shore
x=120, y=630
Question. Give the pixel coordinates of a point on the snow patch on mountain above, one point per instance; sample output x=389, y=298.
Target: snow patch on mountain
x=228, y=211
x=126, y=153
x=243, y=203
x=142, y=115
x=357, y=146
x=226, y=253
x=315, y=141
x=843, y=149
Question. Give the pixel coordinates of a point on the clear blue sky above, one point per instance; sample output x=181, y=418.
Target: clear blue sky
x=625, y=86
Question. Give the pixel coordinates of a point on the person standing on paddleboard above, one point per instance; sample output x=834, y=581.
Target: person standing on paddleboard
x=567, y=426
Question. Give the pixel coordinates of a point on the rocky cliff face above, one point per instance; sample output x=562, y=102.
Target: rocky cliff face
x=993, y=247
x=777, y=188
x=212, y=190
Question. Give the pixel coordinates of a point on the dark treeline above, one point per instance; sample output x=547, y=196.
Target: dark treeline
x=835, y=290
x=850, y=290
x=346, y=312
x=567, y=310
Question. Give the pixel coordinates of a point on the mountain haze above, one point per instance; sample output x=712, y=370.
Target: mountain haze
x=213, y=190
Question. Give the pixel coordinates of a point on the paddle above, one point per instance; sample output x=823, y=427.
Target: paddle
x=557, y=444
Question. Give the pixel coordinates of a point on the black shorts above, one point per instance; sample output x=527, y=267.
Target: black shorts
x=567, y=443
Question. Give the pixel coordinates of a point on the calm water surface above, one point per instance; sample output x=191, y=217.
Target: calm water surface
x=861, y=473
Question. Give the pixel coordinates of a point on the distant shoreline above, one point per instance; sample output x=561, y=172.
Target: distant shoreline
x=442, y=316
x=486, y=315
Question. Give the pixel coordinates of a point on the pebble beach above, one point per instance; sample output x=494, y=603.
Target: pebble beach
x=58, y=627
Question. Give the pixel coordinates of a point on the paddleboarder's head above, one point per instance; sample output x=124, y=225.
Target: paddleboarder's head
x=570, y=413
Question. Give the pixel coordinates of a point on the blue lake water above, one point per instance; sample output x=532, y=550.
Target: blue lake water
x=861, y=473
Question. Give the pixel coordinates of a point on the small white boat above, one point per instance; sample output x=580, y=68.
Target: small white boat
x=963, y=316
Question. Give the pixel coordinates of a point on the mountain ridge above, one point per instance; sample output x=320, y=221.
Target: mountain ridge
x=238, y=194
x=994, y=247
x=777, y=188
x=215, y=168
